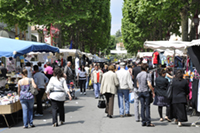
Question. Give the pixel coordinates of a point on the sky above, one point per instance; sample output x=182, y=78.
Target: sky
x=116, y=12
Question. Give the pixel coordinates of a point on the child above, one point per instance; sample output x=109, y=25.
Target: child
x=72, y=91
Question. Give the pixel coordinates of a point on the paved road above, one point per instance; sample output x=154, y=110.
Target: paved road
x=83, y=116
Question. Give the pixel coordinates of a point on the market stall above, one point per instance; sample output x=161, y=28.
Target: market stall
x=144, y=54
x=193, y=50
x=9, y=100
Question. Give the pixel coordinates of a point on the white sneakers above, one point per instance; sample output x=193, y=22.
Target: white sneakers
x=84, y=93
x=81, y=93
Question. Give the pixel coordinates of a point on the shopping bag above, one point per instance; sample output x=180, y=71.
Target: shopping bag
x=90, y=83
x=169, y=91
x=131, y=97
x=101, y=102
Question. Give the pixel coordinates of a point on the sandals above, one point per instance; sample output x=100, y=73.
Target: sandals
x=151, y=125
x=166, y=118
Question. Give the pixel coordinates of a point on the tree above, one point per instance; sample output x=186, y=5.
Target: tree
x=152, y=20
x=118, y=33
x=87, y=23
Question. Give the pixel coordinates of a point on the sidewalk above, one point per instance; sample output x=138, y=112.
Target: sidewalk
x=83, y=116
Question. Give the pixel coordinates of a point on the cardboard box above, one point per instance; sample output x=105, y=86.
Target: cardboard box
x=19, y=106
x=7, y=109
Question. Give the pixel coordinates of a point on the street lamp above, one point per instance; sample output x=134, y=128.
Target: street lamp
x=53, y=32
x=196, y=23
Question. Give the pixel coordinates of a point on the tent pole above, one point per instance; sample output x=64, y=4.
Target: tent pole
x=174, y=62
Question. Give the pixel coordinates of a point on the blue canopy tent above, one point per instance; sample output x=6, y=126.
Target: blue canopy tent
x=13, y=48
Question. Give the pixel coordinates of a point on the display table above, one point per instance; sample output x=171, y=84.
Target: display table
x=9, y=110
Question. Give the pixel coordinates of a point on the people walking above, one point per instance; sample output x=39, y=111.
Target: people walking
x=82, y=77
x=48, y=71
x=143, y=84
x=26, y=98
x=179, y=94
x=160, y=95
x=135, y=72
x=68, y=72
x=41, y=81
x=125, y=85
x=56, y=91
x=96, y=78
x=29, y=69
x=87, y=70
x=109, y=86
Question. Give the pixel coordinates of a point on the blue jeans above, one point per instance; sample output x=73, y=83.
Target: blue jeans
x=27, y=107
x=121, y=101
x=145, y=107
x=97, y=89
x=87, y=82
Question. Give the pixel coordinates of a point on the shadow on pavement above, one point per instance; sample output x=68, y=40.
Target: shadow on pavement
x=74, y=122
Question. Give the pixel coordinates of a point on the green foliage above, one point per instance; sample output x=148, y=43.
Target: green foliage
x=86, y=22
x=118, y=33
x=152, y=20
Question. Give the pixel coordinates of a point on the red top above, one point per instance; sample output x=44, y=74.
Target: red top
x=155, y=57
x=98, y=77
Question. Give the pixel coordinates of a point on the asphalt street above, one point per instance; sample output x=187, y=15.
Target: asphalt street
x=83, y=116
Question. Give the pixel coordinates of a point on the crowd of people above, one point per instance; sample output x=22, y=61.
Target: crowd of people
x=106, y=80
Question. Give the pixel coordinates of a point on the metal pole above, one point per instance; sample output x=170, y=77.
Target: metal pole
x=51, y=35
x=174, y=61
x=196, y=31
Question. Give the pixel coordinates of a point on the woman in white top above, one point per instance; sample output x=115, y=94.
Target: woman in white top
x=82, y=77
x=29, y=69
x=58, y=88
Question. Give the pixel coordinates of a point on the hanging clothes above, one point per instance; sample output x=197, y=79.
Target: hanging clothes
x=198, y=98
x=155, y=58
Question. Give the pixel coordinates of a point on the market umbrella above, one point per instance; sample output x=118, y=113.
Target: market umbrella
x=14, y=48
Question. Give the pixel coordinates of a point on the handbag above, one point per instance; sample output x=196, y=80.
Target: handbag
x=131, y=97
x=150, y=97
x=150, y=94
x=169, y=91
x=32, y=90
x=101, y=102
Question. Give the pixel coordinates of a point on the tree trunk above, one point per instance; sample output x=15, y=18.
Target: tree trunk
x=184, y=24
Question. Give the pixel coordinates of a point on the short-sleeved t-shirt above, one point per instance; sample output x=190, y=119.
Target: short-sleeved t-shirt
x=142, y=79
x=135, y=72
x=49, y=70
x=82, y=75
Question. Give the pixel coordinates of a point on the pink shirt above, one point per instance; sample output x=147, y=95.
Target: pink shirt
x=48, y=70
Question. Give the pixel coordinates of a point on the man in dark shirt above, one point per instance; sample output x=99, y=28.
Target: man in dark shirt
x=135, y=72
x=3, y=70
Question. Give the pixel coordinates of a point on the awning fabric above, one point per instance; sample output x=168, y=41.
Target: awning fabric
x=144, y=54
x=171, y=45
x=14, y=48
x=71, y=52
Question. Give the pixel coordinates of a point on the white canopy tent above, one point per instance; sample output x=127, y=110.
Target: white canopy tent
x=171, y=45
x=143, y=54
x=71, y=52
x=169, y=52
x=118, y=51
x=90, y=56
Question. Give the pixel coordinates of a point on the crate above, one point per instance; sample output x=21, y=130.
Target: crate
x=7, y=109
